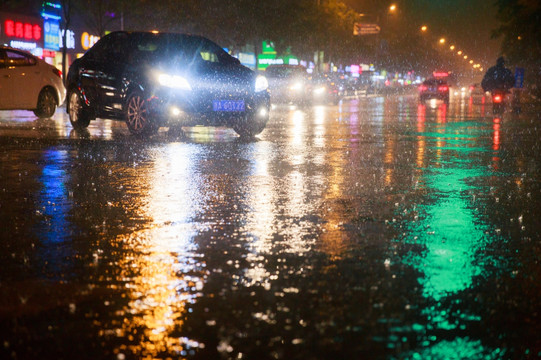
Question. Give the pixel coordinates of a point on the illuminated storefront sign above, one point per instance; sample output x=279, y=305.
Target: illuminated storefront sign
x=50, y=10
x=88, y=40
x=52, y=35
x=48, y=53
x=268, y=56
x=247, y=59
x=22, y=30
x=440, y=74
x=23, y=45
x=70, y=39
x=355, y=70
x=265, y=61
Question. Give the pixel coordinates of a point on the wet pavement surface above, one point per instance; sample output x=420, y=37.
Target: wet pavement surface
x=378, y=228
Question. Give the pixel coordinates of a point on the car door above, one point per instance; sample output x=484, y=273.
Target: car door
x=101, y=72
x=111, y=74
x=88, y=71
x=21, y=82
x=6, y=84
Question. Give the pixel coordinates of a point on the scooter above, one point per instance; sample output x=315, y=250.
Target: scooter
x=498, y=101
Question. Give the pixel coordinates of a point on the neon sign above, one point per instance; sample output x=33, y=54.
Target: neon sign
x=23, y=45
x=88, y=40
x=440, y=74
x=70, y=39
x=22, y=30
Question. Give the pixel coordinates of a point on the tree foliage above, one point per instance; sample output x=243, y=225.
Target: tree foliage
x=520, y=29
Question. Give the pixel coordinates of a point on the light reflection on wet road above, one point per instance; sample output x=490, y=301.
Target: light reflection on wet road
x=378, y=228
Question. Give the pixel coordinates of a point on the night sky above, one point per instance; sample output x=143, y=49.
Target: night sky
x=465, y=23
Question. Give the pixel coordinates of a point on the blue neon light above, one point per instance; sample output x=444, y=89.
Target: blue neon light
x=50, y=16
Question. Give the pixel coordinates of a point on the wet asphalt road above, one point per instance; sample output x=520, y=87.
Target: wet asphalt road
x=374, y=229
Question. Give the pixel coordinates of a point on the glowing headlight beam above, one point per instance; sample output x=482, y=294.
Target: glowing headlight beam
x=173, y=81
x=261, y=83
x=296, y=86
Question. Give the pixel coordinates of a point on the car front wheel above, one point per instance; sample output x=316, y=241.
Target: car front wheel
x=138, y=117
x=78, y=115
x=46, y=104
x=252, y=123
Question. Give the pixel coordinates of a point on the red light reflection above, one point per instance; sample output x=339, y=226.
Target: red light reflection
x=496, y=141
x=442, y=113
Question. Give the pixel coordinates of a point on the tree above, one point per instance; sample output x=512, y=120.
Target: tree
x=521, y=33
x=67, y=6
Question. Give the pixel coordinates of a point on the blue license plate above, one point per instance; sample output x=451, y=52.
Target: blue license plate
x=228, y=105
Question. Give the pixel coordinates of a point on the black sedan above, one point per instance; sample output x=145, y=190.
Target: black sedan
x=160, y=79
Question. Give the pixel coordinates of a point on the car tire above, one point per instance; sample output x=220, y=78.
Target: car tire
x=46, y=104
x=138, y=117
x=250, y=125
x=78, y=115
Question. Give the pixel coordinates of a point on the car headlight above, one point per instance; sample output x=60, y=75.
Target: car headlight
x=173, y=81
x=320, y=90
x=296, y=86
x=261, y=83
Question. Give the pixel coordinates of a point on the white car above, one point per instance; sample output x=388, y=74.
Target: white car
x=289, y=84
x=29, y=83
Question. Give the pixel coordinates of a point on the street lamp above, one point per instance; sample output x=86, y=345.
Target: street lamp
x=459, y=52
x=424, y=28
x=442, y=41
x=452, y=47
x=392, y=8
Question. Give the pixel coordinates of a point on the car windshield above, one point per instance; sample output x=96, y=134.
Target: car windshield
x=174, y=48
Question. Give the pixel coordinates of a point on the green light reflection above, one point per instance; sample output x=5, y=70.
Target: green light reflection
x=448, y=233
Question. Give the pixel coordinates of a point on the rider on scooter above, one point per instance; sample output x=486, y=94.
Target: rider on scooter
x=498, y=77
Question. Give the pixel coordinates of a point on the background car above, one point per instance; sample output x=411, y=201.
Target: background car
x=326, y=90
x=29, y=83
x=163, y=79
x=289, y=84
x=434, y=89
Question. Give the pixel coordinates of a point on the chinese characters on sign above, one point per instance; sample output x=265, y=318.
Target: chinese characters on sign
x=23, y=31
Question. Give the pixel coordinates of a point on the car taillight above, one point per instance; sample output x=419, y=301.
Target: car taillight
x=57, y=72
x=422, y=88
x=497, y=98
x=443, y=88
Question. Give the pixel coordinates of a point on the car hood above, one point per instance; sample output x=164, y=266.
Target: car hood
x=209, y=77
